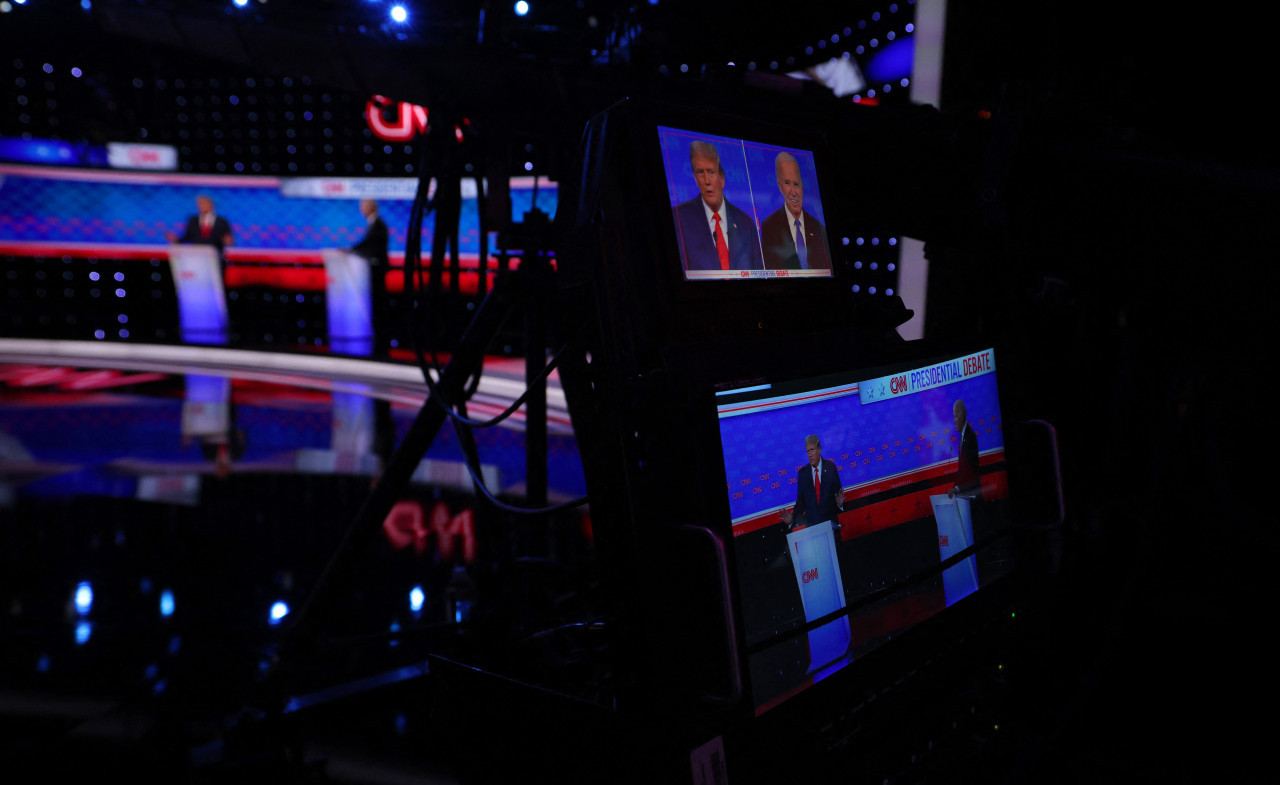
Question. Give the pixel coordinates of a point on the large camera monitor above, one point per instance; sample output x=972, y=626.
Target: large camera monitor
x=706, y=362
x=712, y=226
x=860, y=503
x=742, y=208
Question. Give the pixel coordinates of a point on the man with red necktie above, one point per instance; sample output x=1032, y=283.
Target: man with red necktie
x=713, y=233
x=206, y=227
x=819, y=495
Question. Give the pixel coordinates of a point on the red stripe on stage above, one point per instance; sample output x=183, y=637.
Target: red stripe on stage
x=843, y=390
x=295, y=270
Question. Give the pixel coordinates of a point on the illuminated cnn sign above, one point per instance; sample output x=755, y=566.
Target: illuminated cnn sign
x=395, y=121
x=409, y=525
x=142, y=156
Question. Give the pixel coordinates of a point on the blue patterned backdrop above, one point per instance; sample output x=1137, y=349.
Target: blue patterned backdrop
x=134, y=210
x=763, y=450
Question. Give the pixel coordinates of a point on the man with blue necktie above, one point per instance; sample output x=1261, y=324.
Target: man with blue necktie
x=792, y=239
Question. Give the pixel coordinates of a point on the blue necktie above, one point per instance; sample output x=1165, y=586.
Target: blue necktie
x=801, y=251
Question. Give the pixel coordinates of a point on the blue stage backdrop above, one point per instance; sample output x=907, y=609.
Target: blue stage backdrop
x=867, y=442
x=83, y=206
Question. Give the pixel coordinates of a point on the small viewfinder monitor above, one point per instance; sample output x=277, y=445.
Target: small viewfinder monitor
x=861, y=503
x=744, y=209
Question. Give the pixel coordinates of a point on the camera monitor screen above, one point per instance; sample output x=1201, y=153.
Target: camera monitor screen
x=743, y=209
x=861, y=504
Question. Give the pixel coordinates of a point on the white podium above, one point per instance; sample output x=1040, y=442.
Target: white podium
x=347, y=302
x=955, y=533
x=813, y=556
x=206, y=407
x=202, y=301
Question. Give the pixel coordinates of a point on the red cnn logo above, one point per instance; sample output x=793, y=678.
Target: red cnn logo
x=898, y=384
x=809, y=575
x=408, y=121
x=407, y=525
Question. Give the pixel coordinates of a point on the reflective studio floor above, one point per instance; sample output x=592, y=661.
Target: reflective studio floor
x=165, y=509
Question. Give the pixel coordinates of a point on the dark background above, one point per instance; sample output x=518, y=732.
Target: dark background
x=1099, y=184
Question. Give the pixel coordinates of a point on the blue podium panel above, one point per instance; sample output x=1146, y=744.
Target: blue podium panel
x=955, y=533
x=206, y=409
x=347, y=302
x=353, y=421
x=813, y=555
x=202, y=302
x=829, y=648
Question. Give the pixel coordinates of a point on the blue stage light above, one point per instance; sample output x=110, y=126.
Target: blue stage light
x=240, y=3
x=84, y=597
x=399, y=14
x=166, y=603
x=83, y=630
x=278, y=611
x=522, y=8
x=417, y=598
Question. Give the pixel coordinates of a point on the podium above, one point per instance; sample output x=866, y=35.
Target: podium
x=206, y=407
x=955, y=533
x=202, y=301
x=347, y=302
x=813, y=556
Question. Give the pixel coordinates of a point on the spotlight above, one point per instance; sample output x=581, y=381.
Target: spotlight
x=399, y=14
x=84, y=597
x=240, y=3
x=522, y=8
x=278, y=612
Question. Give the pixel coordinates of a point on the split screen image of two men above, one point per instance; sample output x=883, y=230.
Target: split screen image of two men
x=715, y=234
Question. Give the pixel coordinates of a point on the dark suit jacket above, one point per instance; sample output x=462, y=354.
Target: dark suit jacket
x=373, y=246
x=220, y=229
x=810, y=510
x=966, y=477
x=698, y=244
x=780, y=250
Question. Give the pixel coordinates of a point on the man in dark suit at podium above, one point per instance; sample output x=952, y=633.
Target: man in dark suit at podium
x=792, y=239
x=206, y=227
x=373, y=246
x=819, y=495
x=965, y=481
x=714, y=234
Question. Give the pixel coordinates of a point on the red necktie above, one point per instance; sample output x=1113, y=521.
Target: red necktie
x=817, y=484
x=722, y=248
x=205, y=228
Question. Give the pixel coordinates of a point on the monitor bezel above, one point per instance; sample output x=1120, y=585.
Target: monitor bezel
x=723, y=369
x=664, y=256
